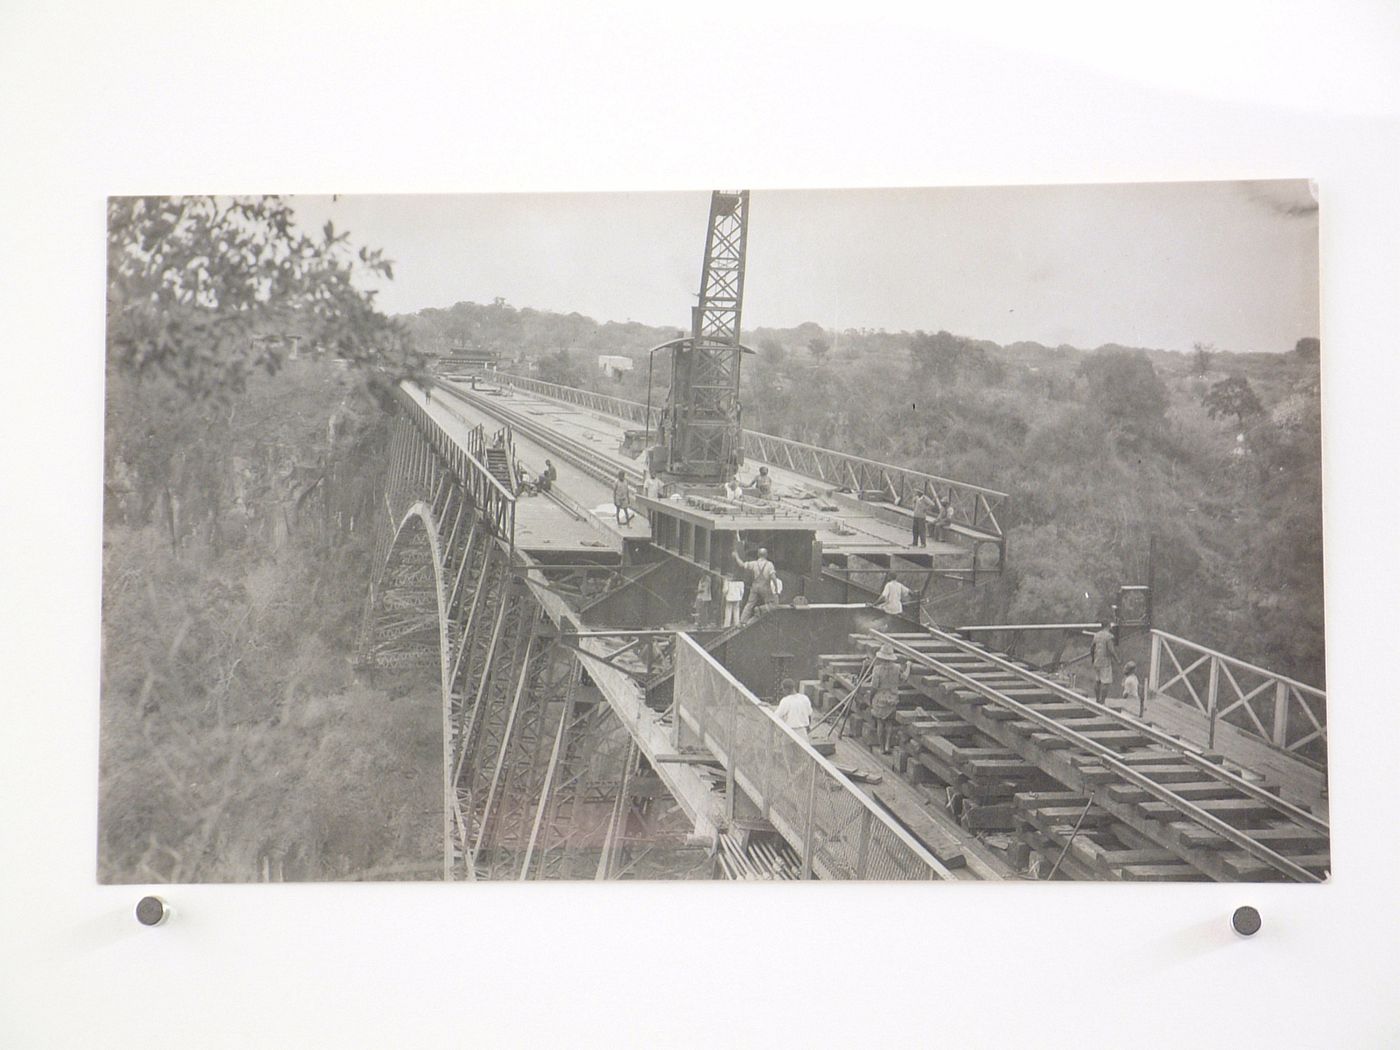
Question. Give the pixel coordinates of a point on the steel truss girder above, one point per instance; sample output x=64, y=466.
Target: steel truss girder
x=573, y=815
x=550, y=678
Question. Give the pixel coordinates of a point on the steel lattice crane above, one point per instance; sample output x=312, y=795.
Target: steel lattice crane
x=700, y=434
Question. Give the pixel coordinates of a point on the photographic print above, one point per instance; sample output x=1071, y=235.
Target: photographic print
x=945, y=534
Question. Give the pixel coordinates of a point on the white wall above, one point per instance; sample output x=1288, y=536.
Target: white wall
x=320, y=97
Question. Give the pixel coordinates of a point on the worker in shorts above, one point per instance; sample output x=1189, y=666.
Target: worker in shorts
x=1104, y=654
x=795, y=709
x=622, y=499
x=885, y=679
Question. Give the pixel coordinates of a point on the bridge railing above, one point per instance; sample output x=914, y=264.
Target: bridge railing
x=632, y=411
x=839, y=833
x=492, y=500
x=1283, y=712
x=975, y=510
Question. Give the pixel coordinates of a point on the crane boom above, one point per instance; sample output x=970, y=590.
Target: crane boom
x=701, y=430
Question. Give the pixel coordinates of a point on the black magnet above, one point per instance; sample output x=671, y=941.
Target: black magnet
x=1246, y=921
x=151, y=911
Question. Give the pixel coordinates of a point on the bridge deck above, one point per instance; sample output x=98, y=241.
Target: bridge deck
x=567, y=524
x=602, y=436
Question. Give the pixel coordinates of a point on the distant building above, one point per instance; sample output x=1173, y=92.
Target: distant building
x=613, y=365
x=465, y=361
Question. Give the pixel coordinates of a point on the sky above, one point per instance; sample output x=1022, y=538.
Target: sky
x=1158, y=265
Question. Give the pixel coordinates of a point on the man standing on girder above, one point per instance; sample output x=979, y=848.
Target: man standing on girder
x=764, y=590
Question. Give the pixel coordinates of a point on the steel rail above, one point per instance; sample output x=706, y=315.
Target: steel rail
x=605, y=469
x=1285, y=808
x=592, y=463
x=1111, y=759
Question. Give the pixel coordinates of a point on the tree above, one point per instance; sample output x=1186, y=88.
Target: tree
x=774, y=352
x=559, y=367
x=818, y=346
x=1125, y=387
x=1232, y=397
x=1309, y=348
x=1200, y=359
x=203, y=290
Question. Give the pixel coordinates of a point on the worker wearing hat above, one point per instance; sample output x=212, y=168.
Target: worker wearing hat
x=885, y=679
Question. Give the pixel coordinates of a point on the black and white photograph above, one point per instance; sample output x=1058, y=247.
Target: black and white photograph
x=962, y=534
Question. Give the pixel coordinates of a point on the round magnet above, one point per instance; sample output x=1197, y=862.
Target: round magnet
x=151, y=911
x=1246, y=921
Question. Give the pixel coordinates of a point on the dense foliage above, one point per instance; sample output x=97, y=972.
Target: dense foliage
x=240, y=492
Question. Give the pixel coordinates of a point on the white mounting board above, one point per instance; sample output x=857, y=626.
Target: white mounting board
x=321, y=97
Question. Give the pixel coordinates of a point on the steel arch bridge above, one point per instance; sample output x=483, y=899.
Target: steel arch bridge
x=535, y=769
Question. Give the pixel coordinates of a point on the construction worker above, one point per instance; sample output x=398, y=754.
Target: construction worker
x=733, y=601
x=893, y=596
x=1103, y=653
x=922, y=505
x=944, y=519
x=622, y=498
x=885, y=679
x=547, y=476
x=762, y=590
x=702, y=601
x=795, y=709
x=1131, y=686
x=732, y=488
x=762, y=484
x=651, y=485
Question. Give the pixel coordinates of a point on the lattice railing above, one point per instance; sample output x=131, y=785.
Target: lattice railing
x=492, y=500
x=1288, y=714
x=838, y=832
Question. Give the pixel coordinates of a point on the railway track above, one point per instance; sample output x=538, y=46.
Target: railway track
x=1108, y=794
x=602, y=467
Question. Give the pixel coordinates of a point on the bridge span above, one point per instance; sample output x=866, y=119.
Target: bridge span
x=599, y=722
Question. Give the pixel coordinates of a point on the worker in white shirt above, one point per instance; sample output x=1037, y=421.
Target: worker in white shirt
x=795, y=709
x=893, y=596
x=732, y=488
x=733, y=601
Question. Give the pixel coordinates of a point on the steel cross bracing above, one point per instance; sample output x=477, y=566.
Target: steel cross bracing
x=582, y=782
